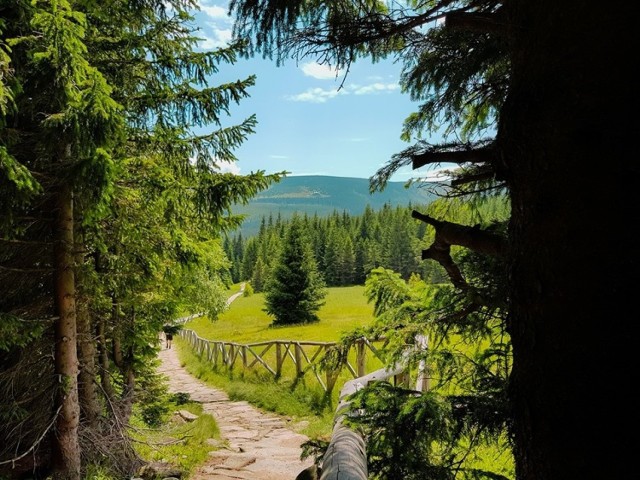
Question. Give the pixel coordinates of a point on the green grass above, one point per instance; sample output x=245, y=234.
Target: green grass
x=244, y=322
x=181, y=444
x=304, y=401
x=302, y=406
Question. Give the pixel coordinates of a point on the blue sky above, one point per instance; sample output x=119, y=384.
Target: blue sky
x=307, y=124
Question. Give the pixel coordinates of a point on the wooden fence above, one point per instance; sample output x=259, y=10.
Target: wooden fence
x=345, y=458
x=322, y=359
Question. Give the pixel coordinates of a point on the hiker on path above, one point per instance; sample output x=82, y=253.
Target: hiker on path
x=169, y=330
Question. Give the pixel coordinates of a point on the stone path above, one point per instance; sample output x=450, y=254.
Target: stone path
x=259, y=446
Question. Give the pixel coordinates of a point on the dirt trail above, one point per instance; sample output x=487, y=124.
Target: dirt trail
x=260, y=446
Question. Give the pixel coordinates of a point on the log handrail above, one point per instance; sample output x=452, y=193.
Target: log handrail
x=346, y=455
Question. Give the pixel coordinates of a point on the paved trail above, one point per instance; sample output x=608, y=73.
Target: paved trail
x=260, y=446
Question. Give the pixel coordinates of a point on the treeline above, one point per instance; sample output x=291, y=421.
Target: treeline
x=347, y=247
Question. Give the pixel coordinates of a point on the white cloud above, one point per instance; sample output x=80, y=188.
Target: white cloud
x=222, y=165
x=316, y=95
x=223, y=35
x=228, y=167
x=219, y=38
x=377, y=87
x=278, y=157
x=207, y=43
x=168, y=7
x=321, y=72
x=321, y=95
x=214, y=11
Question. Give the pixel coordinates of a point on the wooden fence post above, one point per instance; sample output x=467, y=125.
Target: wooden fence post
x=298, y=355
x=332, y=374
x=360, y=357
x=279, y=360
x=230, y=356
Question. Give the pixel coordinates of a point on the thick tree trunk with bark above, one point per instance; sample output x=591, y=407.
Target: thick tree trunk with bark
x=66, y=450
x=565, y=134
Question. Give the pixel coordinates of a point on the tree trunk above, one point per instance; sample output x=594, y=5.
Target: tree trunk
x=66, y=450
x=564, y=135
x=103, y=355
x=89, y=405
x=87, y=392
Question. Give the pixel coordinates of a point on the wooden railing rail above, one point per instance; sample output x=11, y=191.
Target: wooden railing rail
x=346, y=457
x=305, y=356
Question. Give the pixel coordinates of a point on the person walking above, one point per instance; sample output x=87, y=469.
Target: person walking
x=168, y=335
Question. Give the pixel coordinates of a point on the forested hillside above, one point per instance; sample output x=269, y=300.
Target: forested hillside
x=347, y=247
x=322, y=195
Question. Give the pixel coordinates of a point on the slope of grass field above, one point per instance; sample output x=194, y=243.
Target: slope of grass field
x=244, y=322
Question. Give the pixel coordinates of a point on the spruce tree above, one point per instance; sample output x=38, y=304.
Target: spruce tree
x=110, y=209
x=295, y=290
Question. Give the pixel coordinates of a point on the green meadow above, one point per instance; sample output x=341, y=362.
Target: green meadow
x=303, y=399
x=345, y=308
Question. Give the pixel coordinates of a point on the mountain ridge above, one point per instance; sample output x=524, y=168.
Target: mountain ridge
x=322, y=195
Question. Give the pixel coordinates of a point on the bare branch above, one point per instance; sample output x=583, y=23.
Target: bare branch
x=441, y=253
x=483, y=155
x=25, y=270
x=473, y=238
x=24, y=242
x=38, y=440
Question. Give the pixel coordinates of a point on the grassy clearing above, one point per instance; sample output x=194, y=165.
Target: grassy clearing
x=304, y=404
x=244, y=322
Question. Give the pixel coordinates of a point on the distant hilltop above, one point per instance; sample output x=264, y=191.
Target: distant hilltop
x=321, y=195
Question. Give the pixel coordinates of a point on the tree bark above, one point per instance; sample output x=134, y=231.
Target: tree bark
x=105, y=371
x=89, y=404
x=87, y=388
x=66, y=449
x=565, y=134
